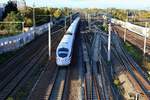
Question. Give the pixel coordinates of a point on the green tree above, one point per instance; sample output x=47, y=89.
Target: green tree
x=28, y=22
x=57, y=13
x=13, y=28
x=10, y=6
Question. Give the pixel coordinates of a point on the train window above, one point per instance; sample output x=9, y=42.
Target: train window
x=63, y=52
x=63, y=49
x=62, y=55
x=69, y=33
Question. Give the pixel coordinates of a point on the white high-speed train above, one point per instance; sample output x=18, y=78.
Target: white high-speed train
x=64, y=49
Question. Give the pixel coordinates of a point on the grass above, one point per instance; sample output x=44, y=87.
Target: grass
x=118, y=85
x=103, y=28
x=137, y=55
x=10, y=98
x=134, y=52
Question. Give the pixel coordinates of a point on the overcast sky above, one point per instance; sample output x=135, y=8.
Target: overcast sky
x=132, y=4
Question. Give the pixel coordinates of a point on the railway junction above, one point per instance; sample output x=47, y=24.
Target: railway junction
x=31, y=75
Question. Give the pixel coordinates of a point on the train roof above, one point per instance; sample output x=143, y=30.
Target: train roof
x=73, y=25
x=65, y=42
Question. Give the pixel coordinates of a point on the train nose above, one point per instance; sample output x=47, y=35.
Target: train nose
x=63, y=61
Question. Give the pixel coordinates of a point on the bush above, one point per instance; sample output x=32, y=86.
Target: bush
x=28, y=22
x=13, y=28
x=117, y=82
x=10, y=98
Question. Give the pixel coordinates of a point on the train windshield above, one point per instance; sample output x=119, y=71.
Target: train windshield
x=63, y=52
x=69, y=33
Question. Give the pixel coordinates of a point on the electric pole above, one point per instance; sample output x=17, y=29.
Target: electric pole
x=145, y=35
x=109, y=40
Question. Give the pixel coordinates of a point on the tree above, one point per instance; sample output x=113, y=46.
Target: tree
x=28, y=22
x=57, y=13
x=13, y=28
x=10, y=6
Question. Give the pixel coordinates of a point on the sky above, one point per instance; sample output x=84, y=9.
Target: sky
x=124, y=4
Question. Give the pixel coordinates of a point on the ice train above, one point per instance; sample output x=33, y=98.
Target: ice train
x=65, y=47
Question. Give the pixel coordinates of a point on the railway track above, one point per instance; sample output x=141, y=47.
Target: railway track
x=132, y=69
x=91, y=90
x=133, y=38
x=20, y=66
x=126, y=68
x=28, y=52
x=95, y=90
x=25, y=50
x=135, y=66
x=104, y=69
x=132, y=77
x=21, y=56
x=13, y=80
x=42, y=85
x=137, y=77
x=58, y=86
x=10, y=84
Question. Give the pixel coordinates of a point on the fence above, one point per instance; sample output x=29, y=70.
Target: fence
x=15, y=42
x=131, y=27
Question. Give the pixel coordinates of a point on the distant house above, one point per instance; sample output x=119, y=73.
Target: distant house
x=2, y=9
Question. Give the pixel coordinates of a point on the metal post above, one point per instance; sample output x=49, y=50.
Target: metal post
x=125, y=31
x=34, y=18
x=23, y=27
x=89, y=22
x=49, y=40
x=109, y=41
x=85, y=16
x=70, y=18
x=137, y=96
x=145, y=34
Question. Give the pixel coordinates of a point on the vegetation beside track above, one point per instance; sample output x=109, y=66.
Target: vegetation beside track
x=134, y=52
x=137, y=55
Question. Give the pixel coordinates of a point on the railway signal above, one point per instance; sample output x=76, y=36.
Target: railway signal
x=109, y=41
